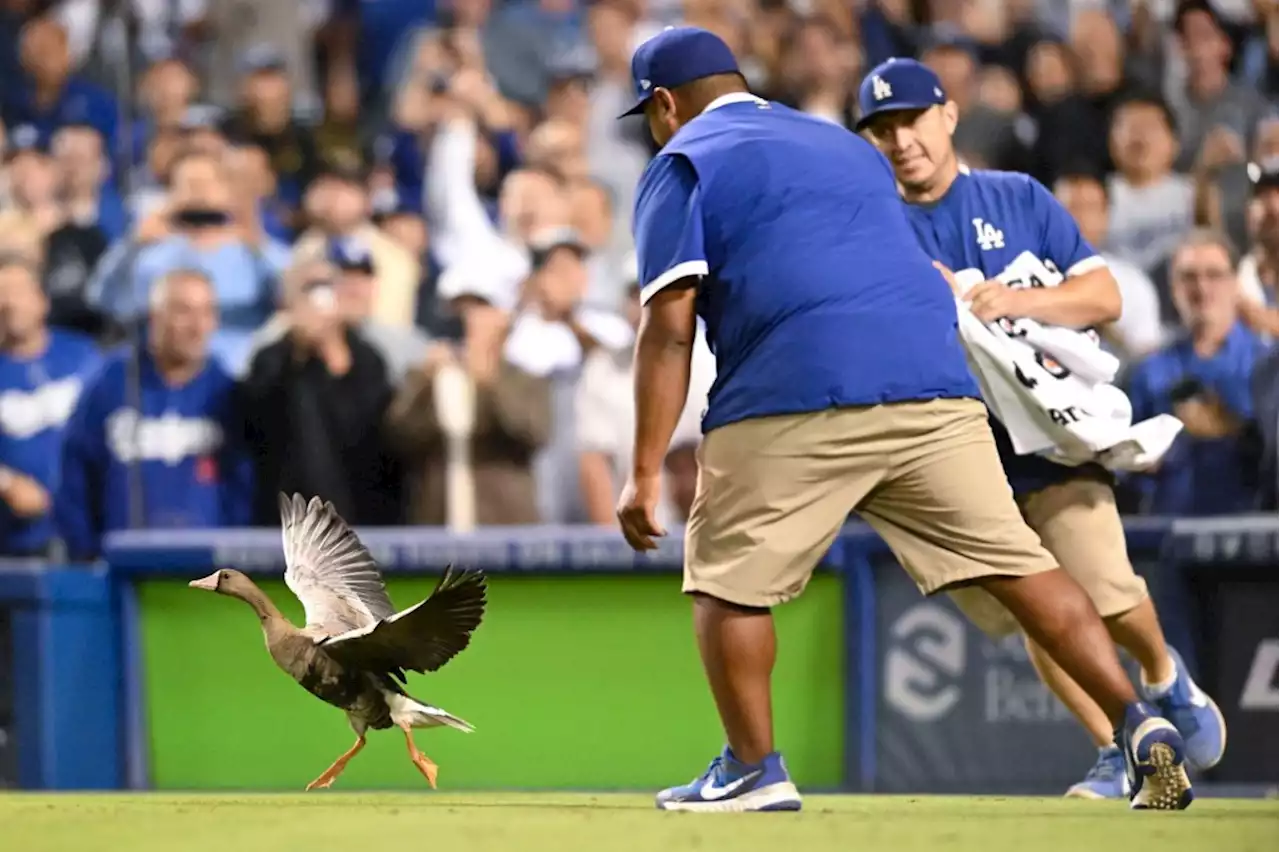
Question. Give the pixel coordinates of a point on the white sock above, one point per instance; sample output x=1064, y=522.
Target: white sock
x=1164, y=686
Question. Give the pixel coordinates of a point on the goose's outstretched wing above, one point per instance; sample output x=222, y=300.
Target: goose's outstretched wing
x=328, y=568
x=422, y=638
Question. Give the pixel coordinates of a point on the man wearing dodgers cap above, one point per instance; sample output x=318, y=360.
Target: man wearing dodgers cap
x=841, y=385
x=986, y=221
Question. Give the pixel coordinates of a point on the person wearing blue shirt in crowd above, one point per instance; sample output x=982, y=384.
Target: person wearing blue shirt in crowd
x=841, y=385
x=51, y=97
x=42, y=372
x=1204, y=380
x=208, y=228
x=154, y=440
x=984, y=220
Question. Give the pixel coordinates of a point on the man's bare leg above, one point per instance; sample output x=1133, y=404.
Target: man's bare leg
x=738, y=648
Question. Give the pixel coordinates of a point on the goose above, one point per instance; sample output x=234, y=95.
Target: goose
x=355, y=648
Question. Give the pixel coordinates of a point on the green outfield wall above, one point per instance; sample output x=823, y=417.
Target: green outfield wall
x=587, y=682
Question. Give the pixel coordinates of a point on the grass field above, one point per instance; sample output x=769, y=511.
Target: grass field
x=336, y=822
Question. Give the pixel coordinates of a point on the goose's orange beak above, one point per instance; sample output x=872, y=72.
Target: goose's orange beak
x=209, y=584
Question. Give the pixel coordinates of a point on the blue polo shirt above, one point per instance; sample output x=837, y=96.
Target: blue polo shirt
x=984, y=221
x=813, y=288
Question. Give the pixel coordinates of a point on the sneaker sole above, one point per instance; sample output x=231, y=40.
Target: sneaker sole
x=1087, y=795
x=1165, y=785
x=774, y=798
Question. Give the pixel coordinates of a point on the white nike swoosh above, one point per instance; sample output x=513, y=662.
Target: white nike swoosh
x=711, y=791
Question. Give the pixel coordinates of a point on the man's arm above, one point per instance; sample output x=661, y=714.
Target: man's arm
x=664, y=352
x=1087, y=297
x=672, y=259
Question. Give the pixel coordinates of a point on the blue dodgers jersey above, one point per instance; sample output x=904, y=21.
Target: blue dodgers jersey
x=984, y=221
x=815, y=292
x=37, y=396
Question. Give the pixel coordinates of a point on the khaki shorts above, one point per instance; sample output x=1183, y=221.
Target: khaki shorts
x=774, y=492
x=1078, y=523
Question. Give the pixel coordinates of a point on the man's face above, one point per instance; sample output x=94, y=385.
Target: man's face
x=338, y=204
x=33, y=178
x=354, y=292
x=916, y=142
x=592, y=213
x=168, y=87
x=198, y=182
x=1204, y=287
x=1265, y=218
x=1141, y=140
x=1048, y=72
x=267, y=92
x=954, y=67
x=1086, y=201
x=23, y=306
x=184, y=319
x=568, y=100
x=1204, y=44
x=44, y=51
x=78, y=154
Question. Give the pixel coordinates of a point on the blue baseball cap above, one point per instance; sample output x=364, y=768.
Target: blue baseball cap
x=676, y=56
x=897, y=84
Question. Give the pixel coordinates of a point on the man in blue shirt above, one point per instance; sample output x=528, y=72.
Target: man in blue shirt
x=1204, y=379
x=51, y=97
x=841, y=385
x=983, y=220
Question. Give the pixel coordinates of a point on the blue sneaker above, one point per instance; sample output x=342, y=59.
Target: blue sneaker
x=729, y=785
x=1194, y=714
x=1105, y=780
x=1154, y=753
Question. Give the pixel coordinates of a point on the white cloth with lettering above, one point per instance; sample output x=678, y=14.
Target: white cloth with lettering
x=1051, y=386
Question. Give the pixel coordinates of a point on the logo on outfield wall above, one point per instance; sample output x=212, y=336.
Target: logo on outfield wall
x=925, y=658
x=1262, y=686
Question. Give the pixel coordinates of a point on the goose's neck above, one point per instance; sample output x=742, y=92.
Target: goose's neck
x=267, y=612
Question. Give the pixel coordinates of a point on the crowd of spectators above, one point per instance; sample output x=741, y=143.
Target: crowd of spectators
x=379, y=250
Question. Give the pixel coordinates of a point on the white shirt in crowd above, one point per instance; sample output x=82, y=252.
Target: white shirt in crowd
x=605, y=411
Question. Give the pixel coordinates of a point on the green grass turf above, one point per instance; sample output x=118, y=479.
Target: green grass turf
x=512, y=822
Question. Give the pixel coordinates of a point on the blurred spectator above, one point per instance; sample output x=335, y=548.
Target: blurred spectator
x=167, y=91
x=819, y=71
x=51, y=97
x=1258, y=269
x=351, y=266
x=1209, y=101
x=258, y=183
x=1266, y=420
x=314, y=402
x=42, y=371
x=1139, y=331
x=605, y=428
x=1151, y=205
x=211, y=224
x=264, y=115
x=1203, y=379
x=239, y=29
x=338, y=207
x=985, y=137
x=409, y=230
x=469, y=423
x=85, y=190
x=153, y=441
x=1070, y=136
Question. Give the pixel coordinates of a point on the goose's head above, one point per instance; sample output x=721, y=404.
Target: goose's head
x=227, y=581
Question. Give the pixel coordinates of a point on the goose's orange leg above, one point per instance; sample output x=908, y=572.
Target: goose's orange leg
x=331, y=774
x=425, y=765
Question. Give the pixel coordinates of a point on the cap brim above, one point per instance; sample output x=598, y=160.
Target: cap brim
x=638, y=109
x=894, y=106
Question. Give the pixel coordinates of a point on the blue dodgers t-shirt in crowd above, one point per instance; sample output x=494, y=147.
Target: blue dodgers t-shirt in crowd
x=815, y=291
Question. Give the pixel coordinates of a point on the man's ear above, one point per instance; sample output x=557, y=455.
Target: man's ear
x=951, y=115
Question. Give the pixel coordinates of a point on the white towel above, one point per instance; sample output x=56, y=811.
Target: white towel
x=1051, y=387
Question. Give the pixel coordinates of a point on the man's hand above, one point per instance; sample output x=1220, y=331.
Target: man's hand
x=1204, y=416
x=993, y=300
x=638, y=512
